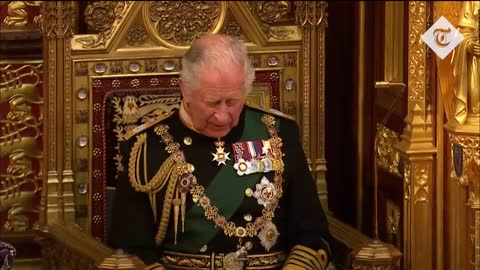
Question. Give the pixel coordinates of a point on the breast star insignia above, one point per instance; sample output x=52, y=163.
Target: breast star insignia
x=220, y=156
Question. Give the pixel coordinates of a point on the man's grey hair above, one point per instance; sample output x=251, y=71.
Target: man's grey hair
x=215, y=51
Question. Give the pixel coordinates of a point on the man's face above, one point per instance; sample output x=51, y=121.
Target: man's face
x=216, y=101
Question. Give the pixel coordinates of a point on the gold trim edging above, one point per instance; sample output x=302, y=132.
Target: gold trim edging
x=176, y=260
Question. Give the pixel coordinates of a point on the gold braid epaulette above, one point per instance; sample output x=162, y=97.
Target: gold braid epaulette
x=168, y=172
x=147, y=124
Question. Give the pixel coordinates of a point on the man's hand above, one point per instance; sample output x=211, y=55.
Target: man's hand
x=474, y=48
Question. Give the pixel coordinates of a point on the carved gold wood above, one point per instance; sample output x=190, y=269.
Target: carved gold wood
x=177, y=24
x=270, y=12
x=388, y=157
x=17, y=15
x=20, y=144
x=232, y=28
x=417, y=148
x=461, y=168
x=448, y=195
x=104, y=17
x=312, y=19
x=393, y=221
x=463, y=171
x=65, y=246
x=57, y=198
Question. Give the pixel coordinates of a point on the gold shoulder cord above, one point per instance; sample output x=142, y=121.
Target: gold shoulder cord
x=168, y=172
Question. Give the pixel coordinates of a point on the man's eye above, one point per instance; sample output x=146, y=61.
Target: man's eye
x=213, y=103
x=232, y=102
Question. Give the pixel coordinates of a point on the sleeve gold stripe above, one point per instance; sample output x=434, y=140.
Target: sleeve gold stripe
x=320, y=255
x=295, y=257
x=292, y=267
x=307, y=257
x=307, y=253
x=304, y=263
x=323, y=257
x=297, y=265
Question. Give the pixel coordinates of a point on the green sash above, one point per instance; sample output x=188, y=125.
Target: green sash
x=225, y=192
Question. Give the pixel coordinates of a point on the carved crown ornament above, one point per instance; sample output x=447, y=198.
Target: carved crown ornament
x=176, y=24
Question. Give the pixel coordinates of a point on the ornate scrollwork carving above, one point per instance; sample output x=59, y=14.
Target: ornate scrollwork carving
x=290, y=60
x=393, y=216
x=407, y=183
x=100, y=15
x=17, y=15
x=137, y=36
x=289, y=107
x=56, y=21
x=471, y=156
x=269, y=11
x=103, y=17
x=19, y=131
x=422, y=172
x=232, y=28
x=418, y=52
x=81, y=69
x=180, y=23
x=387, y=156
x=311, y=14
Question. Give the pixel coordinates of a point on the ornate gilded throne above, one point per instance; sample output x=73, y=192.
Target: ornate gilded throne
x=120, y=68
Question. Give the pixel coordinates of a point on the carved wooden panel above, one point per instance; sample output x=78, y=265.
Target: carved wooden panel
x=20, y=145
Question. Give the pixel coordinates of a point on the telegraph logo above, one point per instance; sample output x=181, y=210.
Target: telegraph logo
x=442, y=37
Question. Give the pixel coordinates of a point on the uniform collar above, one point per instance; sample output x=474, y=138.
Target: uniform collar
x=234, y=134
x=185, y=116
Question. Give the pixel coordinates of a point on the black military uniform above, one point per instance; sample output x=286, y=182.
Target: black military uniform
x=298, y=231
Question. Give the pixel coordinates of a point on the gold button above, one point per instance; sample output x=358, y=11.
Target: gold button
x=187, y=140
x=204, y=248
x=249, y=192
x=248, y=245
x=240, y=232
x=191, y=168
x=270, y=234
x=247, y=217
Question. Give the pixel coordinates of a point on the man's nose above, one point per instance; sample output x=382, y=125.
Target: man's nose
x=221, y=115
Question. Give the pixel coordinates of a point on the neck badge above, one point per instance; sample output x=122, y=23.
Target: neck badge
x=220, y=156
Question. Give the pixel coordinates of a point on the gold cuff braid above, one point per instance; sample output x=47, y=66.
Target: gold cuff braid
x=302, y=257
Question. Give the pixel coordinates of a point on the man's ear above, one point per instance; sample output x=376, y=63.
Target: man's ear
x=185, y=95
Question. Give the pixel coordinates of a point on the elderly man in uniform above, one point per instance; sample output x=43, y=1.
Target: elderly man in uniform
x=218, y=184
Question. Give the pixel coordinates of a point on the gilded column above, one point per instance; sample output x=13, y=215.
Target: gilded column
x=57, y=200
x=417, y=149
x=312, y=19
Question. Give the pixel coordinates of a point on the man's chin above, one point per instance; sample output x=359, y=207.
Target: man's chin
x=216, y=133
